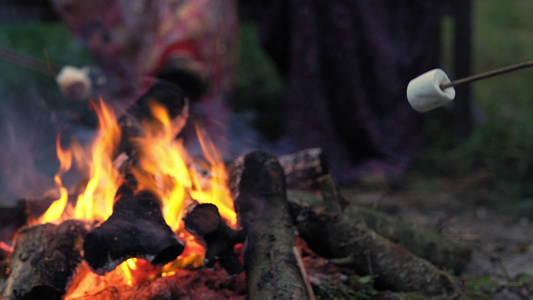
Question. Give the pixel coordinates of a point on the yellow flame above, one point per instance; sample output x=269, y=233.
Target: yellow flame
x=164, y=167
x=55, y=210
x=169, y=171
x=217, y=191
x=127, y=267
x=97, y=200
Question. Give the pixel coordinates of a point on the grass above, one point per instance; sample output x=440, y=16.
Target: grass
x=502, y=140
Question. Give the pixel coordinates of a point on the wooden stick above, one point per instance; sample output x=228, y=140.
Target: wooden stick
x=308, y=287
x=257, y=183
x=487, y=74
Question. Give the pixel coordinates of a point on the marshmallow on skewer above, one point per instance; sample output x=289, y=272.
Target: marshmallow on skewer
x=424, y=92
x=74, y=83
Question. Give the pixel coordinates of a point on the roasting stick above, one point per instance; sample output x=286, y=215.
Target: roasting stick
x=434, y=89
x=30, y=63
x=74, y=83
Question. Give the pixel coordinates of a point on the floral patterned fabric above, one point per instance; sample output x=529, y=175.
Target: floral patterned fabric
x=133, y=40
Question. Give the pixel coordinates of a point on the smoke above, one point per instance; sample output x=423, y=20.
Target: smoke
x=27, y=153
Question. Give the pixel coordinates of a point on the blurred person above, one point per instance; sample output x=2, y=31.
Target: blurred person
x=347, y=64
x=191, y=43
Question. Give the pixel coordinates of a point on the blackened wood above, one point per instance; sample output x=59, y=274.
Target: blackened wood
x=302, y=169
x=135, y=229
x=12, y=218
x=257, y=183
x=219, y=240
x=44, y=259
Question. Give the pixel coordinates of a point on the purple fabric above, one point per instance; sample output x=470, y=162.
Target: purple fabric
x=348, y=63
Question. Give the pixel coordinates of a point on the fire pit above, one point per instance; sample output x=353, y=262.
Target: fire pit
x=151, y=222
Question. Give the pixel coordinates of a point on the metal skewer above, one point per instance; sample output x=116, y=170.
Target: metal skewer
x=487, y=74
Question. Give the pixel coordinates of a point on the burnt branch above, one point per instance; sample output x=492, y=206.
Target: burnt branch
x=219, y=240
x=44, y=259
x=257, y=183
x=135, y=229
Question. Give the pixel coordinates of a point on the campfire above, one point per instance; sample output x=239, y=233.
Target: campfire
x=152, y=222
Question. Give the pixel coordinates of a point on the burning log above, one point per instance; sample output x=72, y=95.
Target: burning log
x=166, y=95
x=257, y=183
x=205, y=223
x=44, y=259
x=135, y=229
x=334, y=234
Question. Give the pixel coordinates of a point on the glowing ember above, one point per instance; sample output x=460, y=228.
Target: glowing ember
x=164, y=168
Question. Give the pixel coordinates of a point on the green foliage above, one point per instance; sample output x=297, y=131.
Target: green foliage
x=502, y=141
x=484, y=285
x=26, y=89
x=259, y=87
x=357, y=288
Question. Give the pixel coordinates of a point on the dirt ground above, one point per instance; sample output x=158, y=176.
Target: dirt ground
x=501, y=267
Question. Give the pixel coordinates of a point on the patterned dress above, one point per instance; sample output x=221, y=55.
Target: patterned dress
x=347, y=64
x=134, y=40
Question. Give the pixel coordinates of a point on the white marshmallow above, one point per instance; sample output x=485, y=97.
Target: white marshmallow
x=424, y=92
x=74, y=83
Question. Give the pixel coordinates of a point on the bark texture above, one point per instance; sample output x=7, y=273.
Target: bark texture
x=257, y=183
x=44, y=259
x=336, y=233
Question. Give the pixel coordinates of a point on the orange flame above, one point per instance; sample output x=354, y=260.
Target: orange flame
x=169, y=172
x=55, y=210
x=164, y=167
x=97, y=200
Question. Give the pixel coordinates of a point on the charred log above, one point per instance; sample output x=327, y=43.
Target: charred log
x=257, y=183
x=219, y=240
x=135, y=229
x=44, y=259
